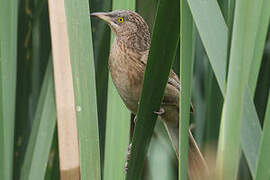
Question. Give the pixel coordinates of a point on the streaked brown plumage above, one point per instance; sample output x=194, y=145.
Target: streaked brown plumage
x=127, y=62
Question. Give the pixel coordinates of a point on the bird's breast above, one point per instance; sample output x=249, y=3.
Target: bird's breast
x=127, y=75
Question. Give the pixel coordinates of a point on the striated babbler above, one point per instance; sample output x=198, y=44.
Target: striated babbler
x=127, y=62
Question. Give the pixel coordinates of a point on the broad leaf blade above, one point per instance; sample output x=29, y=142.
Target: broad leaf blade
x=40, y=141
x=186, y=65
x=82, y=61
x=101, y=38
x=248, y=123
x=8, y=57
x=163, y=48
x=263, y=168
x=228, y=149
x=262, y=21
x=213, y=32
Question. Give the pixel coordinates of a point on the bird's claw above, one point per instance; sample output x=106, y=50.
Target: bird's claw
x=160, y=111
x=127, y=157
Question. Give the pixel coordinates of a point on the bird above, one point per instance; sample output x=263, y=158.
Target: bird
x=127, y=63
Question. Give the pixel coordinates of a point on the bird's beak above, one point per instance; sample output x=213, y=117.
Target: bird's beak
x=102, y=15
x=107, y=18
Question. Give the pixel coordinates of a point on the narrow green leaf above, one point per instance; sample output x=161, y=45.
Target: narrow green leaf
x=53, y=169
x=118, y=123
x=147, y=9
x=101, y=38
x=38, y=148
x=256, y=29
x=262, y=13
x=121, y=4
x=117, y=136
x=228, y=149
x=255, y=35
x=227, y=8
x=203, y=12
x=209, y=20
x=214, y=100
x=8, y=59
x=158, y=152
x=41, y=50
x=199, y=101
x=251, y=132
x=162, y=52
x=186, y=59
x=254, y=43
x=82, y=61
x=252, y=35
x=23, y=114
x=263, y=168
x=260, y=97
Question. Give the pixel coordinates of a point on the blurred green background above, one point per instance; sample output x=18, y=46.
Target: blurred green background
x=27, y=94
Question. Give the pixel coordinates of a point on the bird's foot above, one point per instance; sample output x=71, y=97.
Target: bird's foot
x=128, y=156
x=160, y=111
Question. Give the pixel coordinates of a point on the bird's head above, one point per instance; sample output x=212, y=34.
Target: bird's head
x=124, y=23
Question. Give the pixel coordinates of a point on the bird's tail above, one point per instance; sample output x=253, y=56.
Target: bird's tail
x=197, y=167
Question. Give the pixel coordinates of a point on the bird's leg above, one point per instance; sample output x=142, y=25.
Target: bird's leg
x=127, y=157
x=160, y=111
x=132, y=124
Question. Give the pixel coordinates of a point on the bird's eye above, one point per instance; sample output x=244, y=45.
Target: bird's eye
x=120, y=19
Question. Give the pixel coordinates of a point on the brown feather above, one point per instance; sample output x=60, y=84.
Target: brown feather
x=127, y=62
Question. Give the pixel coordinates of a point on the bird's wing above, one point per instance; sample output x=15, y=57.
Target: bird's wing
x=171, y=95
x=174, y=81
